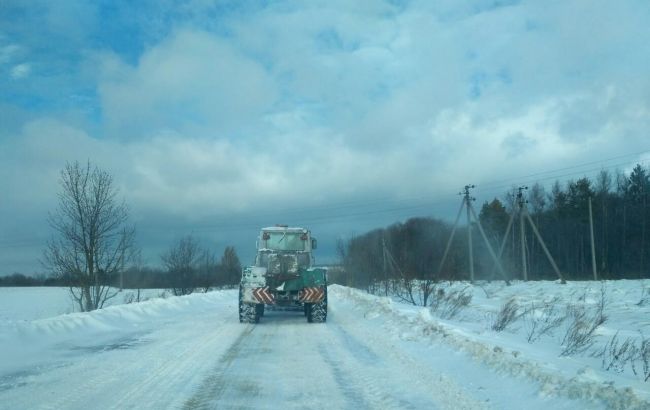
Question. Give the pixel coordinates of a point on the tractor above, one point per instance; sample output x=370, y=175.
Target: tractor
x=283, y=276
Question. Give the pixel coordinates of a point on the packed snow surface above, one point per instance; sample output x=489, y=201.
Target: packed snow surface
x=373, y=352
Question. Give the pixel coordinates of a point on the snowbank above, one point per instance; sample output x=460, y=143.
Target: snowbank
x=113, y=317
x=26, y=341
x=31, y=303
x=574, y=377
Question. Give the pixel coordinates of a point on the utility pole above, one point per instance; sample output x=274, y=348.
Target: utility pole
x=522, y=209
x=383, y=253
x=467, y=198
x=467, y=202
x=593, y=247
x=522, y=230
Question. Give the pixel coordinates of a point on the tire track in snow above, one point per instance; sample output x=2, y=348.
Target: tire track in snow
x=285, y=361
x=387, y=378
x=212, y=387
x=443, y=391
x=345, y=373
x=354, y=398
x=359, y=370
x=359, y=386
x=178, y=370
x=276, y=364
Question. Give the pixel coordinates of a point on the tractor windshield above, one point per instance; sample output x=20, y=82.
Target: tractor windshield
x=285, y=241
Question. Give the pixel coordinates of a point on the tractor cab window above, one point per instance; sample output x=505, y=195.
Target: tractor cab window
x=284, y=241
x=302, y=259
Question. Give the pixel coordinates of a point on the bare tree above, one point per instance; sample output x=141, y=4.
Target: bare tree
x=230, y=266
x=134, y=276
x=181, y=261
x=207, y=274
x=537, y=198
x=603, y=182
x=93, y=241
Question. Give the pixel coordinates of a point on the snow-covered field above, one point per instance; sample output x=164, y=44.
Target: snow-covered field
x=31, y=303
x=191, y=352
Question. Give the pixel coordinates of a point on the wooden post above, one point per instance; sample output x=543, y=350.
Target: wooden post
x=504, y=241
x=593, y=247
x=451, y=238
x=469, y=242
x=522, y=240
x=548, y=254
x=487, y=243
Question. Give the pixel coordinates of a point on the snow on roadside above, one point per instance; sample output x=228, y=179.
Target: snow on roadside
x=58, y=339
x=25, y=341
x=574, y=377
x=31, y=303
x=113, y=316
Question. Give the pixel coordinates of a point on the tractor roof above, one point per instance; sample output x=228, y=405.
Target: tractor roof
x=284, y=229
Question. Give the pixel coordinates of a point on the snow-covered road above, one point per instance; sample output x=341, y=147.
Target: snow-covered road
x=286, y=362
x=194, y=354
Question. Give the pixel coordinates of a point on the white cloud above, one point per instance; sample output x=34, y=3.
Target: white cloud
x=20, y=71
x=362, y=101
x=191, y=81
x=326, y=102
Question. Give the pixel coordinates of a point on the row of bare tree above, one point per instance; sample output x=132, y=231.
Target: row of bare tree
x=19, y=279
x=190, y=267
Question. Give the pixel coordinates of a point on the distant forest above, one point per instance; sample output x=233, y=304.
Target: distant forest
x=414, y=249
x=134, y=278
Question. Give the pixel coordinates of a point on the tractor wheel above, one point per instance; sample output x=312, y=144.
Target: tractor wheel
x=241, y=307
x=318, y=311
x=247, y=311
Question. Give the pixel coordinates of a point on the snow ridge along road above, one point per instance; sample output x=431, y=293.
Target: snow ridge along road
x=192, y=353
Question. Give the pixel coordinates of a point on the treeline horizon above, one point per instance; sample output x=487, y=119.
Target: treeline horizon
x=134, y=278
x=198, y=270
x=413, y=250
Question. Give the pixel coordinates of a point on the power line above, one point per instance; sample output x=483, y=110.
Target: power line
x=637, y=153
x=488, y=185
x=425, y=202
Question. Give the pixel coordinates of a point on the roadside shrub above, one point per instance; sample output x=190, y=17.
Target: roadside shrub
x=616, y=355
x=580, y=334
x=507, y=315
x=449, y=305
x=543, y=320
x=644, y=357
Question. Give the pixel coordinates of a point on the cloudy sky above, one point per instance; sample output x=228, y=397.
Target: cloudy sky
x=218, y=117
